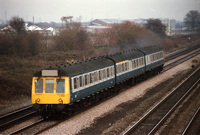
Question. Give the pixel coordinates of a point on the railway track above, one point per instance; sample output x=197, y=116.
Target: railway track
x=180, y=53
x=155, y=117
x=192, y=127
x=26, y=127
x=12, y=118
x=181, y=60
x=39, y=126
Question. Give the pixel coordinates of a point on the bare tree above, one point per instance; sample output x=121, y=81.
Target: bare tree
x=18, y=24
x=192, y=19
x=156, y=26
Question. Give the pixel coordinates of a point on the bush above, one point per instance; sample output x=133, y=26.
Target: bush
x=6, y=44
x=22, y=45
x=71, y=38
x=156, y=26
x=126, y=33
x=34, y=41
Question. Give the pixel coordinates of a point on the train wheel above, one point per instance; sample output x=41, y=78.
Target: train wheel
x=70, y=110
x=131, y=82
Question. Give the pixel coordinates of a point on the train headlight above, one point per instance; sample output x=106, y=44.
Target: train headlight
x=38, y=100
x=60, y=100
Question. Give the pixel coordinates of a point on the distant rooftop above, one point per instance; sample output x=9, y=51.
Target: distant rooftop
x=105, y=22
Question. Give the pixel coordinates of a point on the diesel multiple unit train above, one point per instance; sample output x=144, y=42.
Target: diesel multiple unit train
x=55, y=89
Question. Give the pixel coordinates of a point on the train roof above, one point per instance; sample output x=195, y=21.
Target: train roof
x=93, y=64
x=128, y=55
x=81, y=67
x=151, y=49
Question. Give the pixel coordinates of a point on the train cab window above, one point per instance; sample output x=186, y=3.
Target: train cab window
x=49, y=85
x=39, y=86
x=60, y=85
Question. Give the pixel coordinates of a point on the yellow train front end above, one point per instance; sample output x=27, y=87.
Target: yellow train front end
x=50, y=92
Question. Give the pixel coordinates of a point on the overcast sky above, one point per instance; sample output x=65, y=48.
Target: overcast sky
x=53, y=10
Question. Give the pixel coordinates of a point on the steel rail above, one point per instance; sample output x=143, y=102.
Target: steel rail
x=173, y=108
x=26, y=127
x=179, y=61
x=134, y=126
x=11, y=113
x=190, y=122
x=13, y=120
x=16, y=115
x=182, y=52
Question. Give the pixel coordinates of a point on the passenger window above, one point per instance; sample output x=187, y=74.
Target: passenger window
x=60, y=85
x=104, y=74
x=39, y=86
x=135, y=63
x=142, y=61
x=80, y=81
x=120, y=68
x=100, y=75
x=91, y=80
x=108, y=72
x=122, y=65
x=86, y=80
x=95, y=77
x=117, y=69
x=49, y=85
x=112, y=71
x=75, y=83
x=139, y=62
x=126, y=66
x=77, y=80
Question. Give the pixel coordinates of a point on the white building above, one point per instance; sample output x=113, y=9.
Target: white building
x=34, y=28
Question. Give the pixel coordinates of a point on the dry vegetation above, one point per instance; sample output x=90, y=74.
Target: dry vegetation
x=22, y=54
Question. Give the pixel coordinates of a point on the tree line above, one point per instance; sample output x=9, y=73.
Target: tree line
x=74, y=37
